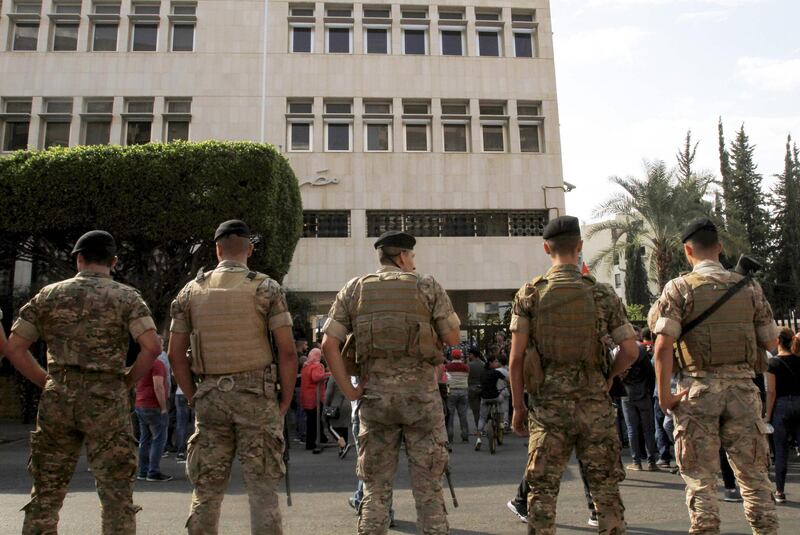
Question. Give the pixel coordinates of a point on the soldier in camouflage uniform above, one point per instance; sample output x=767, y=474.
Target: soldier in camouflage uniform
x=399, y=320
x=85, y=322
x=557, y=324
x=224, y=317
x=717, y=403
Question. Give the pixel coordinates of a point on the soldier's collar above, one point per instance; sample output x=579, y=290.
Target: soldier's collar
x=231, y=264
x=389, y=269
x=708, y=265
x=96, y=274
x=560, y=268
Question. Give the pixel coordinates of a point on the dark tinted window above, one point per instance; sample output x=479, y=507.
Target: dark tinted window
x=377, y=41
x=301, y=39
x=145, y=37
x=183, y=38
x=339, y=40
x=489, y=43
x=414, y=41
x=452, y=44
x=105, y=38
x=523, y=43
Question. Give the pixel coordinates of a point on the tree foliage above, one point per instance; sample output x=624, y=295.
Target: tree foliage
x=161, y=202
x=785, y=257
x=748, y=197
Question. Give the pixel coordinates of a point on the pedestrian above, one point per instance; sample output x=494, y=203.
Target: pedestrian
x=457, y=398
x=663, y=439
x=505, y=391
x=184, y=424
x=637, y=407
x=491, y=380
x=301, y=347
x=85, y=322
x=151, y=411
x=783, y=404
x=336, y=414
x=399, y=318
x=474, y=383
x=312, y=397
x=557, y=324
x=717, y=402
x=224, y=317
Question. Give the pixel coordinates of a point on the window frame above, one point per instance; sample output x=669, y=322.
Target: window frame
x=174, y=25
x=329, y=27
x=326, y=140
x=539, y=136
x=498, y=33
x=529, y=33
x=303, y=26
x=138, y=24
x=388, y=33
x=452, y=29
x=95, y=24
x=307, y=122
x=494, y=124
x=47, y=123
x=24, y=24
x=466, y=125
x=425, y=38
x=378, y=122
x=421, y=122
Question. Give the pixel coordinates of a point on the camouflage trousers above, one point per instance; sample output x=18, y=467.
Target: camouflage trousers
x=417, y=420
x=587, y=426
x=236, y=415
x=727, y=412
x=75, y=408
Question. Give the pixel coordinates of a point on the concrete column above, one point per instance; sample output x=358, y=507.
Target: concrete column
x=117, y=132
x=35, y=128
x=157, y=129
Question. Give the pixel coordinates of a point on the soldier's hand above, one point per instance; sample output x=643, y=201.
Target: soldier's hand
x=670, y=401
x=519, y=423
x=356, y=392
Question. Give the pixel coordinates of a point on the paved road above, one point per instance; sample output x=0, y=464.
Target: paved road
x=322, y=484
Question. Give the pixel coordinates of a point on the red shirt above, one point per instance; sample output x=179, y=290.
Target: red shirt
x=312, y=378
x=145, y=392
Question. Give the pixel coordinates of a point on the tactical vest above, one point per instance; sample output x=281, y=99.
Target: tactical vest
x=726, y=337
x=392, y=321
x=565, y=329
x=229, y=335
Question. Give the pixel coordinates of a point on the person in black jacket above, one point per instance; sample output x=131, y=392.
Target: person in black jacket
x=637, y=406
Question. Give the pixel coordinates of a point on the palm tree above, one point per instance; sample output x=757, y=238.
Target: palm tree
x=652, y=212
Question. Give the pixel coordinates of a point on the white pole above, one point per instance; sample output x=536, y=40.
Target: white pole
x=264, y=75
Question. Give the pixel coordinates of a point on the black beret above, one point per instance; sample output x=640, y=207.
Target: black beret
x=396, y=238
x=96, y=242
x=234, y=226
x=566, y=225
x=696, y=226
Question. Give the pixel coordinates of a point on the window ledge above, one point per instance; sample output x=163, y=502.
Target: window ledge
x=15, y=116
x=525, y=25
x=489, y=24
x=64, y=17
x=182, y=18
x=137, y=116
x=97, y=117
x=494, y=118
x=309, y=20
x=171, y=116
x=56, y=117
x=144, y=18
x=339, y=20
x=377, y=20
x=104, y=17
x=24, y=17
x=452, y=24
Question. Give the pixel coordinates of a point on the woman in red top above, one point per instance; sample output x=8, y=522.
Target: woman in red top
x=312, y=394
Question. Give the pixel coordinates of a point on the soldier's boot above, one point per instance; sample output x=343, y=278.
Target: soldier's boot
x=40, y=518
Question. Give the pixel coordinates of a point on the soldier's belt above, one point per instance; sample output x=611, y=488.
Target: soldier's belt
x=63, y=372
x=227, y=382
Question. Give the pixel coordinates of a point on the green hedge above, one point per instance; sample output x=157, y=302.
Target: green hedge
x=161, y=202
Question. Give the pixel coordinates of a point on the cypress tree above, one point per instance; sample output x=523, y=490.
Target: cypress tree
x=729, y=205
x=785, y=267
x=747, y=195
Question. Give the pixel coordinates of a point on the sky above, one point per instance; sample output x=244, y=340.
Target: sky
x=634, y=75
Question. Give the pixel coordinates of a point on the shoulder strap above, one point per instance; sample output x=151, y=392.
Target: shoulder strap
x=733, y=290
x=251, y=275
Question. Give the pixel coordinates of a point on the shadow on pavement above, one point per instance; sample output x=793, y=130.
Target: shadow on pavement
x=404, y=526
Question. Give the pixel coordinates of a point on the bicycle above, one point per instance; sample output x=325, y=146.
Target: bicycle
x=495, y=431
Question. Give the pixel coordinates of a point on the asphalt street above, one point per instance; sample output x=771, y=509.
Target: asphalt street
x=322, y=483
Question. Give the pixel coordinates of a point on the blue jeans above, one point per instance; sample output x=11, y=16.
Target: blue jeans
x=663, y=440
x=152, y=439
x=640, y=421
x=184, y=421
x=786, y=421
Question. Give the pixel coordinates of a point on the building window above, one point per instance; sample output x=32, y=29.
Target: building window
x=302, y=39
x=338, y=126
x=522, y=16
x=176, y=119
x=17, y=121
x=326, y=224
x=97, y=122
x=617, y=280
x=28, y=8
x=452, y=43
x=183, y=37
x=490, y=108
x=145, y=37
x=68, y=9
x=415, y=41
x=65, y=37
x=26, y=35
x=523, y=44
x=300, y=106
x=528, y=109
x=488, y=43
x=377, y=13
x=376, y=40
x=147, y=9
x=300, y=136
x=56, y=134
x=529, y=138
x=339, y=12
x=455, y=108
x=301, y=11
x=106, y=9
x=105, y=37
x=455, y=137
x=455, y=223
x=419, y=14
x=339, y=40
x=138, y=122
x=451, y=15
x=417, y=137
x=378, y=137
x=492, y=16
x=493, y=138
x=57, y=119
x=378, y=108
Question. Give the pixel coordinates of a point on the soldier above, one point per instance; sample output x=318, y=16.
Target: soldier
x=400, y=320
x=85, y=323
x=225, y=316
x=717, y=400
x=556, y=329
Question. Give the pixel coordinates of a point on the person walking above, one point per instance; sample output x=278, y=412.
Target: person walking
x=399, y=319
x=637, y=407
x=457, y=398
x=224, y=317
x=474, y=384
x=557, y=324
x=184, y=424
x=717, y=401
x=85, y=322
x=312, y=396
x=491, y=383
x=783, y=404
x=152, y=397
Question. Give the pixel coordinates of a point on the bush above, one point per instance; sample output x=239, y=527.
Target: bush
x=162, y=202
